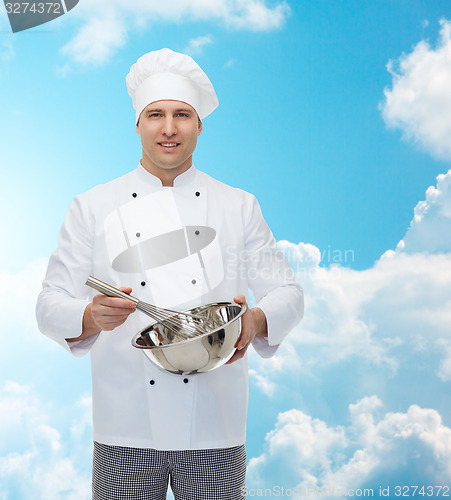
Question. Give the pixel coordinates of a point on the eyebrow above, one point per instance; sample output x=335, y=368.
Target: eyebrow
x=158, y=110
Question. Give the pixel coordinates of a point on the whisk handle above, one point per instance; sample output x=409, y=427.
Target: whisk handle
x=109, y=290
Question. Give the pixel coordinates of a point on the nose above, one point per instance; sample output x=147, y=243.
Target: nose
x=169, y=127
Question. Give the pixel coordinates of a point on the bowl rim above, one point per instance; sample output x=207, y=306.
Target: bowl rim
x=191, y=339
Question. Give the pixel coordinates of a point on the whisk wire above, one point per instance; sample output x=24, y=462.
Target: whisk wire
x=191, y=324
x=184, y=325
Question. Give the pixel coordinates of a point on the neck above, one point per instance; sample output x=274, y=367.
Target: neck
x=166, y=175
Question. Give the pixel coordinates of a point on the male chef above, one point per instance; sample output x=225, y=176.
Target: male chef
x=178, y=238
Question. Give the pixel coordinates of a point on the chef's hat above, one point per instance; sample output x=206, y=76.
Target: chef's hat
x=167, y=75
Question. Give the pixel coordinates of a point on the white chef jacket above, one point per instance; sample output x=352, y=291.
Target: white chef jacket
x=110, y=232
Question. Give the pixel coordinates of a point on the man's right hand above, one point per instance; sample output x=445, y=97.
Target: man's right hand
x=105, y=313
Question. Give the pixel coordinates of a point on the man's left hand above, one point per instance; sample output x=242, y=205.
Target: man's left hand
x=253, y=324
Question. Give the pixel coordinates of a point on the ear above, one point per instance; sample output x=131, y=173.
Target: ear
x=199, y=126
x=137, y=127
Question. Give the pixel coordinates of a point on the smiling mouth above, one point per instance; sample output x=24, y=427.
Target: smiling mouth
x=169, y=145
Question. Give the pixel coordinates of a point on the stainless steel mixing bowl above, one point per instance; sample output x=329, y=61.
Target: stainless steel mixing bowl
x=198, y=354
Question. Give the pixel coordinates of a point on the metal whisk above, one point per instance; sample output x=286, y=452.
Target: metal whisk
x=182, y=324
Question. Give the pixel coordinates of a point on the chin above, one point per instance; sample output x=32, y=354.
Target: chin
x=169, y=167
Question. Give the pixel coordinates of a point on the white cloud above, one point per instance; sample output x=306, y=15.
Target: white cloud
x=303, y=452
x=430, y=229
x=231, y=62
x=106, y=24
x=196, y=45
x=405, y=299
x=7, y=51
x=98, y=40
x=19, y=291
x=444, y=369
x=262, y=382
x=56, y=468
x=419, y=102
x=63, y=70
x=49, y=436
x=391, y=322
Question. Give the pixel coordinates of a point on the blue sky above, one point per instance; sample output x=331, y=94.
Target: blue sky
x=336, y=115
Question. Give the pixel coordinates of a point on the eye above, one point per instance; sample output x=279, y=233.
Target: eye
x=182, y=114
x=154, y=115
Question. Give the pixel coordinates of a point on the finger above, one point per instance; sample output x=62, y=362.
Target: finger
x=110, y=322
x=243, y=341
x=110, y=318
x=112, y=311
x=106, y=319
x=246, y=331
x=116, y=303
x=113, y=302
x=106, y=310
x=240, y=299
x=237, y=355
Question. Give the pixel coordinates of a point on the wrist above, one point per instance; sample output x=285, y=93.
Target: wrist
x=89, y=326
x=260, y=323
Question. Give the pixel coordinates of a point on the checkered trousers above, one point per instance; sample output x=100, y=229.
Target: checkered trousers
x=121, y=473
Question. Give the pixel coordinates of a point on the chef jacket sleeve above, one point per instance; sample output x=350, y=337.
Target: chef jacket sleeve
x=62, y=302
x=272, y=282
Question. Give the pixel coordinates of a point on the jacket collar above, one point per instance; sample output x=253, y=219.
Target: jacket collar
x=186, y=179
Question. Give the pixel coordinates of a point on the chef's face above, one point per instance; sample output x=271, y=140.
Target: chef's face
x=169, y=132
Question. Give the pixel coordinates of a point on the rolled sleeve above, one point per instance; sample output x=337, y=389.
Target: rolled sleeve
x=284, y=309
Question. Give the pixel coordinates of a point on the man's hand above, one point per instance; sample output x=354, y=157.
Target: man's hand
x=253, y=324
x=105, y=313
